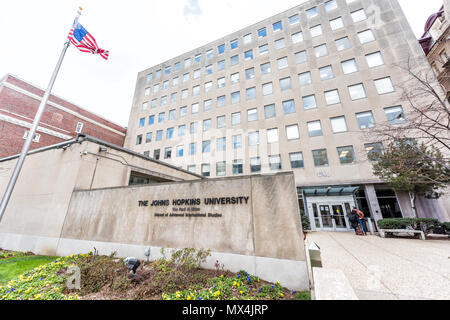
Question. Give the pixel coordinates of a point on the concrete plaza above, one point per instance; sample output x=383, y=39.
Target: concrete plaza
x=388, y=269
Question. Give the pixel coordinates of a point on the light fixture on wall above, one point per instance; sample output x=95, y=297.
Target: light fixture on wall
x=102, y=149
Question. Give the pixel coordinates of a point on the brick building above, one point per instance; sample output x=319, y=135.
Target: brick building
x=61, y=121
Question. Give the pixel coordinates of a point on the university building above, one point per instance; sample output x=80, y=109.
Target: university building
x=61, y=121
x=299, y=91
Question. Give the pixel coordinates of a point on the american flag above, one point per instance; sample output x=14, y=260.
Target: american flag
x=84, y=41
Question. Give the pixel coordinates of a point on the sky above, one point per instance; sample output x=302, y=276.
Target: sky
x=138, y=33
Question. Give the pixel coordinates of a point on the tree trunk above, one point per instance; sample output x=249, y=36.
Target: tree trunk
x=412, y=197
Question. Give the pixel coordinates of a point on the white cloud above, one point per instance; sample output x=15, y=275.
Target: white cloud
x=192, y=10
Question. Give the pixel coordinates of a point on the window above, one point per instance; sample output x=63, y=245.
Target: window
x=253, y=138
x=336, y=24
x=279, y=44
x=173, y=97
x=252, y=115
x=209, y=54
x=249, y=73
x=338, y=124
x=358, y=16
x=221, y=169
x=235, y=78
x=265, y=68
x=251, y=93
x=161, y=117
x=141, y=122
x=315, y=128
x=198, y=58
x=236, y=97
x=332, y=97
x=206, y=125
x=285, y=84
x=272, y=135
x=311, y=13
x=366, y=36
x=154, y=103
x=192, y=149
x=326, y=73
x=155, y=88
x=321, y=51
x=147, y=92
x=346, y=155
x=262, y=33
x=395, y=115
x=269, y=111
x=221, y=144
x=207, y=105
x=194, y=127
x=237, y=141
x=235, y=118
x=158, y=74
x=267, y=88
x=275, y=162
x=180, y=151
x=187, y=63
x=172, y=114
x=184, y=94
x=255, y=165
x=221, y=122
x=221, y=82
x=186, y=77
x=301, y=57
x=151, y=120
x=320, y=157
x=208, y=69
x=238, y=167
x=221, y=49
x=197, y=73
x=247, y=38
x=374, y=151
x=234, y=60
x=292, y=132
x=277, y=26
x=147, y=154
x=208, y=86
x=150, y=77
x=289, y=107
x=156, y=154
x=305, y=78
x=343, y=44
x=357, y=91
x=167, y=70
x=206, y=146
x=163, y=101
x=384, y=85
x=297, y=37
x=169, y=133
x=191, y=168
x=183, y=111
x=181, y=130
x=138, y=138
x=296, y=160
x=282, y=63
x=331, y=5
x=309, y=102
x=263, y=49
x=195, y=108
x=349, y=66
x=220, y=65
x=294, y=19
x=168, y=153
x=248, y=55
x=206, y=170
x=221, y=101
x=365, y=120
x=234, y=44
x=374, y=59
x=177, y=66
x=316, y=31
x=159, y=135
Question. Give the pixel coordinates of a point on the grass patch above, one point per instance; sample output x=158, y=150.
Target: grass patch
x=15, y=266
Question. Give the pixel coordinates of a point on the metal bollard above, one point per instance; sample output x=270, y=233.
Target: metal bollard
x=314, y=256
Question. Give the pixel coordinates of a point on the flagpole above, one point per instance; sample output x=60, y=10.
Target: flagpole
x=31, y=134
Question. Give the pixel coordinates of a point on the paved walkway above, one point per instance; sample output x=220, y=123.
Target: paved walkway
x=388, y=269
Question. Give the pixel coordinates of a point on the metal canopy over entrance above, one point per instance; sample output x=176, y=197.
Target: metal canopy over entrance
x=330, y=191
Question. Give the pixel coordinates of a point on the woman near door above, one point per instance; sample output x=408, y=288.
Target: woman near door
x=355, y=219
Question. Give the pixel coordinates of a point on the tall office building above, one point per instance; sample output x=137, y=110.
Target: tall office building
x=299, y=91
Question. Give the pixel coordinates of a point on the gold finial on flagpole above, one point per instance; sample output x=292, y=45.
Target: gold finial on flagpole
x=81, y=9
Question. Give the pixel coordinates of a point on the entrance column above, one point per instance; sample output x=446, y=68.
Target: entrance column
x=374, y=206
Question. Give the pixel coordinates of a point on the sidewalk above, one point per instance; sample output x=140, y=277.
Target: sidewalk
x=388, y=269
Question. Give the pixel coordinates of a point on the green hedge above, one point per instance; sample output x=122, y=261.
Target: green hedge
x=423, y=224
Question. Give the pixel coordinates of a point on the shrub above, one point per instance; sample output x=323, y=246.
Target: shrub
x=305, y=222
x=446, y=226
x=426, y=225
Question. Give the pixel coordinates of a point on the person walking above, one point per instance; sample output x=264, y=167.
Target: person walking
x=354, y=221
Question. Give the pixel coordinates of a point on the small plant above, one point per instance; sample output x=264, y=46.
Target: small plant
x=421, y=224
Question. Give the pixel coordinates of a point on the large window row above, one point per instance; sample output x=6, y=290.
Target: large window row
x=316, y=30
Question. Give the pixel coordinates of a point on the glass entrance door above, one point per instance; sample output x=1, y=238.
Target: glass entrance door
x=325, y=214
x=339, y=217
